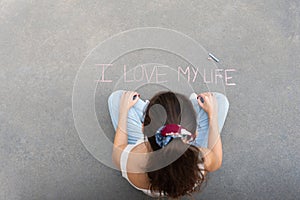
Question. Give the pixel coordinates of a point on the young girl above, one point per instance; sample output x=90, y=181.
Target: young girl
x=166, y=146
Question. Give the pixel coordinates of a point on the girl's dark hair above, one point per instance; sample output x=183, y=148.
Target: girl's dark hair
x=182, y=175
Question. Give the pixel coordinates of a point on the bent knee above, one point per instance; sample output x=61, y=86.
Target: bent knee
x=222, y=100
x=114, y=95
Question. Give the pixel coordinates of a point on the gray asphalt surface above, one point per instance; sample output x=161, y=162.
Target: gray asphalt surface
x=43, y=44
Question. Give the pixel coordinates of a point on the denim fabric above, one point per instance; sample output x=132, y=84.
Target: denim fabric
x=135, y=117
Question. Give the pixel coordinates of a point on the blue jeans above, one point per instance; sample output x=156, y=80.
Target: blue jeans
x=135, y=117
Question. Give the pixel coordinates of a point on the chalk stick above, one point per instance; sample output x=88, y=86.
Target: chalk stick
x=213, y=57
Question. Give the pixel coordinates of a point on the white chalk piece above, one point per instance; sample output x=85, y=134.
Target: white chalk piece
x=213, y=57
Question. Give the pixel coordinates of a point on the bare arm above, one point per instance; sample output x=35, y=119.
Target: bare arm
x=121, y=138
x=213, y=154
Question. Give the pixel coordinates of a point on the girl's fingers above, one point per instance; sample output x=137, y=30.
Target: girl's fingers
x=200, y=103
x=136, y=96
x=206, y=98
x=133, y=97
x=205, y=94
x=130, y=96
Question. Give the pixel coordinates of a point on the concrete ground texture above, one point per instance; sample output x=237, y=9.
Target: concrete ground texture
x=44, y=44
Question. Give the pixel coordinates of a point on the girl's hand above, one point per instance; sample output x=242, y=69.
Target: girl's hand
x=209, y=104
x=128, y=99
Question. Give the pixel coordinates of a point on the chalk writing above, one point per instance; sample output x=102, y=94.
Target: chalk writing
x=209, y=76
x=155, y=74
x=104, y=66
x=152, y=76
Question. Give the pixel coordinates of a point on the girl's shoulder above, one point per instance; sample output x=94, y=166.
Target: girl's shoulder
x=136, y=165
